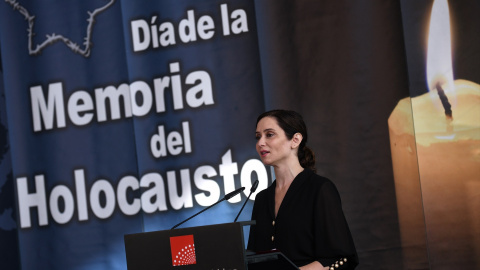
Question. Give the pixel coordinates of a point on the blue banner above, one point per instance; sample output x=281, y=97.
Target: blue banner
x=123, y=117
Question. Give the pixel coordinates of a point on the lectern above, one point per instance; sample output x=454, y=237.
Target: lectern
x=218, y=246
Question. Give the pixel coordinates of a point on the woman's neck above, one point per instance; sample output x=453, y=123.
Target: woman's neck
x=285, y=174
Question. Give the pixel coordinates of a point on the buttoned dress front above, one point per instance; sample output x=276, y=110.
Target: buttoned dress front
x=310, y=224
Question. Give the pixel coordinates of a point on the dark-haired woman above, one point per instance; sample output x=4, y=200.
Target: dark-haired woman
x=300, y=214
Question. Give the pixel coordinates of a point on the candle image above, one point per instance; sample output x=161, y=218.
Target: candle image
x=435, y=146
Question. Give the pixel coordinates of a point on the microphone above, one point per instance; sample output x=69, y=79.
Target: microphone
x=226, y=197
x=232, y=194
x=254, y=187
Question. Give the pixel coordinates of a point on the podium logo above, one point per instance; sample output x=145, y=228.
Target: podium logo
x=183, y=250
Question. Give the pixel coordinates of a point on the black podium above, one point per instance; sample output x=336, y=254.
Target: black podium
x=218, y=246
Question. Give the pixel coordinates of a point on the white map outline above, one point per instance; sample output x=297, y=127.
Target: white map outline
x=52, y=38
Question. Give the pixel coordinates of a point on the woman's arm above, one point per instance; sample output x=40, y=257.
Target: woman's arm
x=314, y=266
x=334, y=242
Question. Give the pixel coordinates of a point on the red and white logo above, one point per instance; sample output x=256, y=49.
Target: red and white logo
x=183, y=250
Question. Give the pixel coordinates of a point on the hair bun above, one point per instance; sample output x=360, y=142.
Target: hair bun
x=307, y=158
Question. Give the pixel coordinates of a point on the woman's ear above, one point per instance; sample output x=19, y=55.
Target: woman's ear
x=297, y=139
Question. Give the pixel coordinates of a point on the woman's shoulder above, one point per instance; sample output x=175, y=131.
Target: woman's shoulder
x=317, y=181
x=315, y=178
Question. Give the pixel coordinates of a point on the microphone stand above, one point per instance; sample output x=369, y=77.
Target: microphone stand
x=254, y=187
x=227, y=197
x=197, y=214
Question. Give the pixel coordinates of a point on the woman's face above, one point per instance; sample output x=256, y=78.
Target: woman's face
x=273, y=146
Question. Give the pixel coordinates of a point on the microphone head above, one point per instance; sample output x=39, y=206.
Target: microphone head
x=233, y=193
x=254, y=186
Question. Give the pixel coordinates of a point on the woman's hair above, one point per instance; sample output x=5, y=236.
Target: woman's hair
x=292, y=122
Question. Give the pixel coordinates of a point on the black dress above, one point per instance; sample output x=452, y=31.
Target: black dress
x=310, y=224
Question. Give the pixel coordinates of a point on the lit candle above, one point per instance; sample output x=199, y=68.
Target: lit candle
x=440, y=159
x=436, y=160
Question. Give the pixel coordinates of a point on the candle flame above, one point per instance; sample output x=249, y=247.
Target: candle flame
x=439, y=53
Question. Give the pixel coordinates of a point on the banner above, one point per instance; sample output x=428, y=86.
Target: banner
x=435, y=137
x=126, y=116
